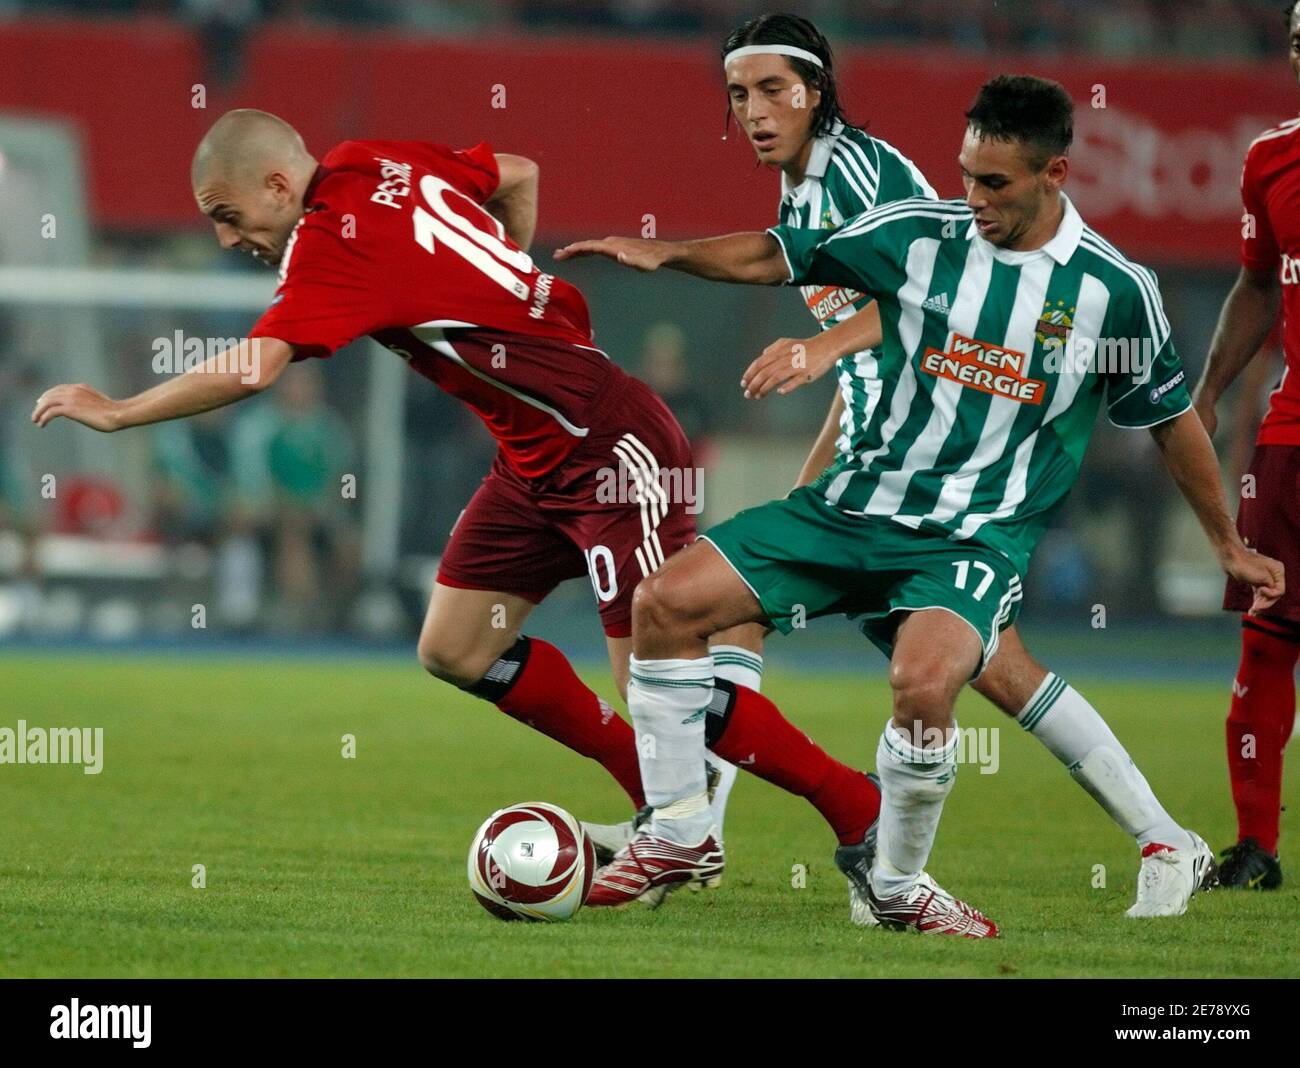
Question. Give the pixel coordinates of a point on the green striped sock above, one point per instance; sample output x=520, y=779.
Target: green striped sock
x=1044, y=698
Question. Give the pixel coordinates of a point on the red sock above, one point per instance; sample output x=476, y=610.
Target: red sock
x=1259, y=724
x=548, y=696
x=759, y=739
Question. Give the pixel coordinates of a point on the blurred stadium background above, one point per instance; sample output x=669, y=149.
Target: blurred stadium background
x=103, y=256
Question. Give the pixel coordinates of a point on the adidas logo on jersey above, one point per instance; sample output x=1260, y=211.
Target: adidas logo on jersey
x=937, y=303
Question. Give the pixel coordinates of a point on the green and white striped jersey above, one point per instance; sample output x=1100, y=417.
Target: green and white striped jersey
x=993, y=365
x=848, y=172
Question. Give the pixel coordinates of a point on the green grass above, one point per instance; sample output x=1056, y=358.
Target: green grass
x=321, y=866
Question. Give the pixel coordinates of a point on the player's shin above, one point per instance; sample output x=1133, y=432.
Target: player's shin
x=1259, y=726
x=739, y=666
x=749, y=730
x=1074, y=732
x=915, y=780
x=534, y=683
x=668, y=701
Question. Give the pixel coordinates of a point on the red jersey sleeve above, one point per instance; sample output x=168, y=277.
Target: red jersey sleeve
x=1259, y=251
x=327, y=297
x=473, y=171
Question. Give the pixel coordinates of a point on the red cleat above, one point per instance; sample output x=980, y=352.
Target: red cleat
x=648, y=867
x=927, y=907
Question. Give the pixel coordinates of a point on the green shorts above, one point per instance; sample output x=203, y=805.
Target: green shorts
x=803, y=558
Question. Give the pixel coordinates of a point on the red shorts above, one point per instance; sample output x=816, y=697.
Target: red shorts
x=1270, y=522
x=587, y=516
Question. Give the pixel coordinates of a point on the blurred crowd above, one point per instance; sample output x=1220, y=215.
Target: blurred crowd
x=257, y=493
x=262, y=486
x=1192, y=29
x=253, y=510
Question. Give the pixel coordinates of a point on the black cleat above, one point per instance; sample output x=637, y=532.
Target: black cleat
x=1246, y=866
x=855, y=862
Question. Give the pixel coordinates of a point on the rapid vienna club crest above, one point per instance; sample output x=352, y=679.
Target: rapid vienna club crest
x=1055, y=322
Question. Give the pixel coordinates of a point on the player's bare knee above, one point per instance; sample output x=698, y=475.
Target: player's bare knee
x=452, y=662
x=922, y=691
x=922, y=700
x=436, y=662
x=659, y=608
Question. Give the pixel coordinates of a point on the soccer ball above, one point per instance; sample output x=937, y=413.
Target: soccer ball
x=531, y=861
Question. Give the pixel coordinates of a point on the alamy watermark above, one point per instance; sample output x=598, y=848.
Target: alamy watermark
x=981, y=746
x=179, y=354
x=53, y=745
x=659, y=486
x=75, y=1020
x=1132, y=356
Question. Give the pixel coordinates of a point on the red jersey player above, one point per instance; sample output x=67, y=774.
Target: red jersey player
x=423, y=248
x=1263, y=693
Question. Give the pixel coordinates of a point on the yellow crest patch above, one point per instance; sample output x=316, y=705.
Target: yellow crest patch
x=1055, y=322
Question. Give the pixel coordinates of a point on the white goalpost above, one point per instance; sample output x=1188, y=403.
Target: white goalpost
x=54, y=300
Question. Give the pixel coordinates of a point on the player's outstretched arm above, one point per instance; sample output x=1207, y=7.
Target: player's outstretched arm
x=789, y=363
x=232, y=375
x=1247, y=316
x=1187, y=452
x=749, y=258
x=514, y=201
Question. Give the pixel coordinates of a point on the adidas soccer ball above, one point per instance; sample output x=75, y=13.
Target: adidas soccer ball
x=531, y=862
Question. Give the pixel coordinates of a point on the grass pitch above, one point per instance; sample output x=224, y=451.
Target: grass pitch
x=317, y=865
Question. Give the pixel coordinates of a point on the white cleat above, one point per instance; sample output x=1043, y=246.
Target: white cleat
x=650, y=868
x=1169, y=877
x=860, y=909
x=927, y=907
x=609, y=839
x=711, y=883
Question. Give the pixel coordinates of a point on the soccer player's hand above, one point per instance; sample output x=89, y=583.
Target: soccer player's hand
x=79, y=403
x=1265, y=574
x=785, y=365
x=643, y=255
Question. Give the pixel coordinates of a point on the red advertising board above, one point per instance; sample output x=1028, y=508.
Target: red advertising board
x=629, y=130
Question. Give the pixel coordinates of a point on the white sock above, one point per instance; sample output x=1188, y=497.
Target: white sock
x=737, y=665
x=668, y=701
x=914, y=783
x=1062, y=719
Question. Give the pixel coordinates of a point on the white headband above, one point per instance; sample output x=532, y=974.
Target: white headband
x=772, y=50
